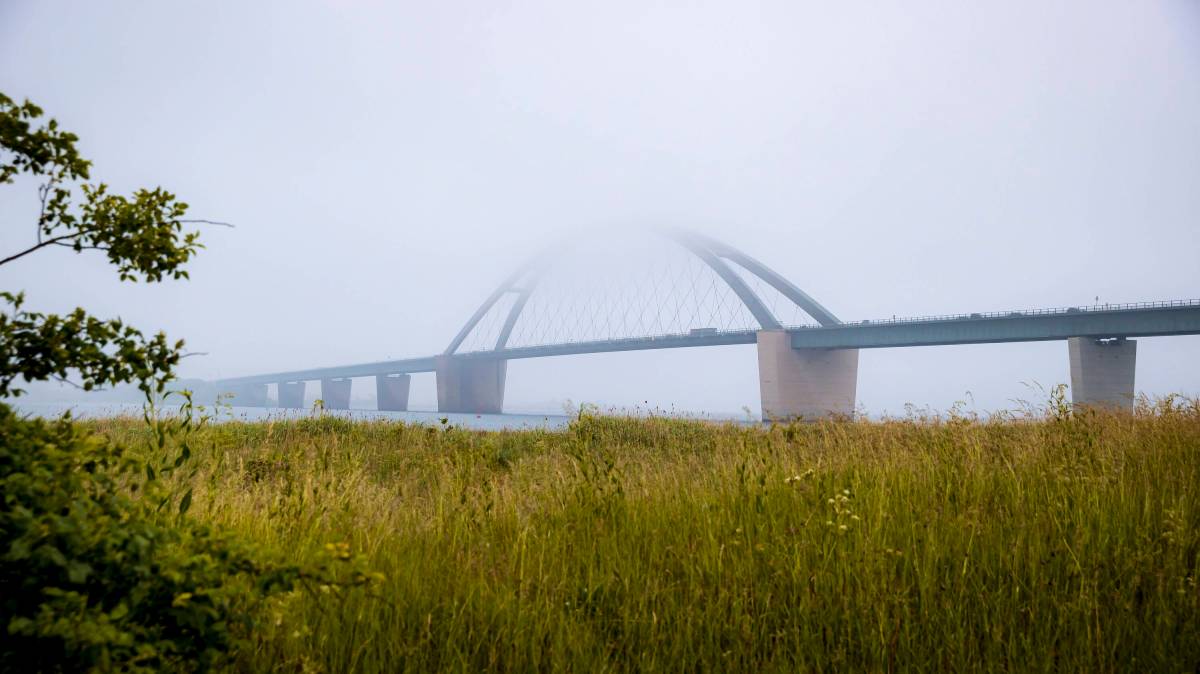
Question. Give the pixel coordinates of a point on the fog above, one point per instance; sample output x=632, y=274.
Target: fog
x=388, y=164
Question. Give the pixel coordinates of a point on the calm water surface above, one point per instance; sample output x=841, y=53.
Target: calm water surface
x=477, y=421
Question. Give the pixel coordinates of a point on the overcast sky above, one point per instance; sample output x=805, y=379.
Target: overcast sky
x=387, y=164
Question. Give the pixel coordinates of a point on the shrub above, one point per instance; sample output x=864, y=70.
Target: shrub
x=98, y=576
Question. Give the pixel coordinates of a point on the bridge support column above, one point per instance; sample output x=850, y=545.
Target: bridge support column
x=291, y=394
x=473, y=386
x=335, y=393
x=805, y=384
x=1102, y=371
x=248, y=395
x=391, y=392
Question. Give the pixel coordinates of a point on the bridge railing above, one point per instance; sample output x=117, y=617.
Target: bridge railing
x=1056, y=311
x=659, y=337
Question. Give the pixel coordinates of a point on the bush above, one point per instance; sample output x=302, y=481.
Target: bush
x=97, y=576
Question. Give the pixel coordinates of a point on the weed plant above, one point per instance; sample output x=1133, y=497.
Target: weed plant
x=1051, y=542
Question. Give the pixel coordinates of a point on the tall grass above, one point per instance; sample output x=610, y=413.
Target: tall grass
x=1065, y=542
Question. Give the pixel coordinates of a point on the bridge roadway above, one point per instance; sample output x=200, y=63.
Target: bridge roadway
x=1150, y=319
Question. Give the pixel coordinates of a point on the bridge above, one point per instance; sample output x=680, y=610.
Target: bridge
x=807, y=369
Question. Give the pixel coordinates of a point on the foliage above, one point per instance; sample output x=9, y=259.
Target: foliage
x=40, y=151
x=36, y=347
x=141, y=235
x=97, y=579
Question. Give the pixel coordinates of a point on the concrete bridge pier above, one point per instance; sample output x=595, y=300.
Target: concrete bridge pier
x=804, y=384
x=291, y=394
x=391, y=392
x=335, y=393
x=1102, y=371
x=247, y=395
x=474, y=386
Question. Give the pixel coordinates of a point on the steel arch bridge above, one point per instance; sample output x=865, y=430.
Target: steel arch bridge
x=725, y=262
x=806, y=370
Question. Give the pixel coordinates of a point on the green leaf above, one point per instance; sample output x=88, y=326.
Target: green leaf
x=121, y=610
x=77, y=572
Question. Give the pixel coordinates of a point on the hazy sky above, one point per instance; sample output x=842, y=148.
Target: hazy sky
x=387, y=164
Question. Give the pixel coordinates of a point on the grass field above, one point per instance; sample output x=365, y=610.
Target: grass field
x=1053, y=542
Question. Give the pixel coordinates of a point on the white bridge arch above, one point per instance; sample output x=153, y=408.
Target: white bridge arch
x=729, y=264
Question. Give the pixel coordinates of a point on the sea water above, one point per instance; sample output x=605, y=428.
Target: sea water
x=98, y=410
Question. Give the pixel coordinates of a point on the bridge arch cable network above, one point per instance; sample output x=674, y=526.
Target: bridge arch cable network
x=732, y=272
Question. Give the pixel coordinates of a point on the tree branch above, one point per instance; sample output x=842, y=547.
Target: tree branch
x=72, y=246
x=64, y=380
x=208, y=222
x=43, y=244
x=44, y=191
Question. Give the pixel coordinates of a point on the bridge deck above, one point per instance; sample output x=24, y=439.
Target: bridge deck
x=1129, y=320
x=1140, y=320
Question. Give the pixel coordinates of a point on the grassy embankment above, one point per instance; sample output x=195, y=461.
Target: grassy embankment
x=1059, y=543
